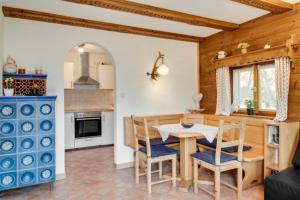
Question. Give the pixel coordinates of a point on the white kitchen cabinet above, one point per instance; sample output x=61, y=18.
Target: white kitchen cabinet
x=69, y=131
x=106, y=76
x=69, y=75
x=107, y=127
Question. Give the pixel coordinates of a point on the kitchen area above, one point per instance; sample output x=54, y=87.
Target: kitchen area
x=89, y=97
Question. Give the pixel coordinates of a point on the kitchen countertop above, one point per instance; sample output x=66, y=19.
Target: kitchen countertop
x=96, y=109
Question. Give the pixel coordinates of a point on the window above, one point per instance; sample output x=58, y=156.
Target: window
x=255, y=82
x=243, y=85
x=266, y=87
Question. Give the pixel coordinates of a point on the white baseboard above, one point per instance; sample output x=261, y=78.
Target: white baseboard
x=60, y=176
x=124, y=165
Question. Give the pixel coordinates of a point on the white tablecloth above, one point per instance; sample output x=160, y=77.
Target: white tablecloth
x=209, y=132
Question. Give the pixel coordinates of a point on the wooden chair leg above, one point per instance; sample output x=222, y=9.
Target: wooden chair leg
x=149, y=175
x=137, y=168
x=217, y=184
x=160, y=169
x=174, y=162
x=239, y=183
x=195, y=176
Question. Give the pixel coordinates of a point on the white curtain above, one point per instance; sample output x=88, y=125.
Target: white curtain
x=223, y=91
x=282, y=78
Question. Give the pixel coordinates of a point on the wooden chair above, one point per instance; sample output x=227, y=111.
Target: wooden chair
x=218, y=161
x=152, y=154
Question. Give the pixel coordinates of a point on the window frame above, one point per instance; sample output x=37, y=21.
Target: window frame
x=258, y=111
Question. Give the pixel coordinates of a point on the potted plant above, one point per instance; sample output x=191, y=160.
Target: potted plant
x=35, y=90
x=9, y=86
x=251, y=105
x=243, y=47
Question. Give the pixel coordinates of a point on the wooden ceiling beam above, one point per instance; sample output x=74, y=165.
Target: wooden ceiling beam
x=157, y=12
x=274, y=6
x=86, y=23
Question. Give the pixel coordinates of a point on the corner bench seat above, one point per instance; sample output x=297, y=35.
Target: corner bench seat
x=158, y=141
x=205, y=142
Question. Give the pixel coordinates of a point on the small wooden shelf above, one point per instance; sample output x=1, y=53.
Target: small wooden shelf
x=273, y=146
x=262, y=55
x=278, y=157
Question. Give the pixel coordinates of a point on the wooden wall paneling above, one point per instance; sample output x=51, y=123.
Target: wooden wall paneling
x=86, y=23
x=272, y=29
x=274, y=6
x=157, y=12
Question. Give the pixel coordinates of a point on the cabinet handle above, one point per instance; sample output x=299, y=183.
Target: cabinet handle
x=103, y=116
x=72, y=119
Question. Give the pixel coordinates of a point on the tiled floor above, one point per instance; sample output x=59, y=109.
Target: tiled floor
x=91, y=176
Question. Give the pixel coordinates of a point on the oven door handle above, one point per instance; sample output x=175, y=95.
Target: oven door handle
x=84, y=119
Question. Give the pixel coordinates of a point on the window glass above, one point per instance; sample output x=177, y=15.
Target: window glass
x=266, y=87
x=242, y=86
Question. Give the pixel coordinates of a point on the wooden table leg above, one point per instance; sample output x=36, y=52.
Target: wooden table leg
x=187, y=147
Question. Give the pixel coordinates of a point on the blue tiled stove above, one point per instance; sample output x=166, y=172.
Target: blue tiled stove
x=27, y=141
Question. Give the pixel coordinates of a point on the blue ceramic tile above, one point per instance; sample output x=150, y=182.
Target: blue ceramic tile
x=27, y=144
x=8, y=110
x=8, y=163
x=8, y=181
x=8, y=128
x=46, y=126
x=8, y=146
x=46, y=174
x=26, y=110
x=27, y=127
x=27, y=177
x=27, y=160
x=46, y=108
x=46, y=158
x=46, y=142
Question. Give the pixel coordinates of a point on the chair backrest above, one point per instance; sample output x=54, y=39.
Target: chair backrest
x=239, y=141
x=141, y=132
x=193, y=118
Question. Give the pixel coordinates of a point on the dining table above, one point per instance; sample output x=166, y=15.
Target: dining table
x=188, y=145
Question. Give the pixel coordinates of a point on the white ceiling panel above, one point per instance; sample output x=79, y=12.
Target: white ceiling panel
x=225, y=10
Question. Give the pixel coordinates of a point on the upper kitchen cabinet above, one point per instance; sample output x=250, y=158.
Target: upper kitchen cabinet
x=69, y=74
x=106, y=76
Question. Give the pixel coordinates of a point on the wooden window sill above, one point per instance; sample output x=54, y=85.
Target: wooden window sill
x=253, y=116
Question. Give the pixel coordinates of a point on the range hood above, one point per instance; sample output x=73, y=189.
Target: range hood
x=85, y=81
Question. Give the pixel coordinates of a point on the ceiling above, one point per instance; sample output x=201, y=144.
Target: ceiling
x=224, y=10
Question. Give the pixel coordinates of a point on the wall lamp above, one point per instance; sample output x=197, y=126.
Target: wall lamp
x=159, y=69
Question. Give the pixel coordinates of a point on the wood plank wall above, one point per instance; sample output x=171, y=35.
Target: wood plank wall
x=272, y=29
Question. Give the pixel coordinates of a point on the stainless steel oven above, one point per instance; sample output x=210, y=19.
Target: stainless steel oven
x=87, y=124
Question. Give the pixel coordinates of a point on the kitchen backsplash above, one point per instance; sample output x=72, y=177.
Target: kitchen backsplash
x=88, y=98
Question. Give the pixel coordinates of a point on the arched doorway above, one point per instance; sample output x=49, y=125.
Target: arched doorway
x=89, y=90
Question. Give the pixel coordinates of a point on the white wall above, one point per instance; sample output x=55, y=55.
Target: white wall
x=41, y=44
x=1, y=45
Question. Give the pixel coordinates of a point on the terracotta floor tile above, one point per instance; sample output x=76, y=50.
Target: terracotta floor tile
x=91, y=176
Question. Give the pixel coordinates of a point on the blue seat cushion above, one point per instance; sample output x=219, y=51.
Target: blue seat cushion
x=159, y=150
x=158, y=141
x=227, y=149
x=209, y=157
